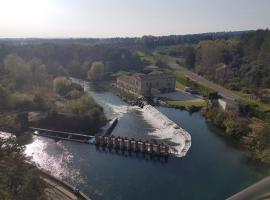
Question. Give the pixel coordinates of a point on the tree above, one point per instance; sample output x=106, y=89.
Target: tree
x=18, y=179
x=17, y=69
x=61, y=85
x=3, y=96
x=96, y=72
x=39, y=72
x=190, y=57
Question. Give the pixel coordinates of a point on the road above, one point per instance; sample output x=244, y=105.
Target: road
x=202, y=81
x=221, y=90
x=55, y=191
x=260, y=190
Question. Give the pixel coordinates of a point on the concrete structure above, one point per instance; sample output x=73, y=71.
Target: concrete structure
x=227, y=104
x=147, y=84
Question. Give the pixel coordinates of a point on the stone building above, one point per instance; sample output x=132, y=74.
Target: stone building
x=147, y=84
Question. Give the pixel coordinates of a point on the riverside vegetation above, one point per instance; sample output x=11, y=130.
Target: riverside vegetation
x=29, y=95
x=34, y=88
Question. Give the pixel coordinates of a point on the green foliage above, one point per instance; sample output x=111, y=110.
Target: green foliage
x=96, y=72
x=86, y=109
x=75, y=94
x=81, y=106
x=22, y=102
x=3, y=96
x=39, y=71
x=190, y=57
x=232, y=123
x=17, y=69
x=235, y=126
x=18, y=179
x=63, y=86
x=187, y=103
x=40, y=103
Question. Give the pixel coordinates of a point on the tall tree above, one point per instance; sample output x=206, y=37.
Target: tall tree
x=96, y=72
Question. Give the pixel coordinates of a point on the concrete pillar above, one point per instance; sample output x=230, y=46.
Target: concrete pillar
x=136, y=146
x=155, y=146
x=147, y=145
x=106, y=141
x=121, y=143
x=126, y=143
x=151, y=148
x=133, y=144
x=167, y=150
x=97, y=140
x=143, y=147
x=110, y=142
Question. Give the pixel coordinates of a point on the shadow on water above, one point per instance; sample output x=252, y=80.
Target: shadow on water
x=233, y=143
x=133, y=155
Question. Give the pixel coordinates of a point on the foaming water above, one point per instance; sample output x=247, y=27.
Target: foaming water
x=5, y=135
x=106, y=176
x=167, y=130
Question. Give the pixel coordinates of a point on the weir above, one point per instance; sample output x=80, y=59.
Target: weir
x=132, y=145
x=169, y=130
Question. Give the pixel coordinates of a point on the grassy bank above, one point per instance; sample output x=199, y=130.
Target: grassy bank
x=187, y=103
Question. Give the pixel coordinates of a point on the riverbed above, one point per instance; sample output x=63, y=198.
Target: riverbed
x=213, y=168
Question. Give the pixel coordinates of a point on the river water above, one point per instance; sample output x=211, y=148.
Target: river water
x=212, y=169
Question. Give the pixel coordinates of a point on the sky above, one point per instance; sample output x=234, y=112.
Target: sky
x=128, y=18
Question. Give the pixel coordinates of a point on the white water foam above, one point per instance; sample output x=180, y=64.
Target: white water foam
x=168, y=130
x=5, y=135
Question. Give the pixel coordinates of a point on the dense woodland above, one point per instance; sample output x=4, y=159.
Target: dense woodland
x=27, y=87
x=33, y=77
x=237, y=62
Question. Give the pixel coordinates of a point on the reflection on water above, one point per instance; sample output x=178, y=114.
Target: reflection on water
x=54, y=157
x=211, y=170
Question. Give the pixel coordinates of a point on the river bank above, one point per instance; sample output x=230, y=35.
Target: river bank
x=210, y=158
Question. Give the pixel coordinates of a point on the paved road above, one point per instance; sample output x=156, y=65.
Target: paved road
x=201, y=80
x=221, y=90
x=260, y=190
x=55, y=191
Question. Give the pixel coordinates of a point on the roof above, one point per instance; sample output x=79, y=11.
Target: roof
x=156, y=72
x=220, y=66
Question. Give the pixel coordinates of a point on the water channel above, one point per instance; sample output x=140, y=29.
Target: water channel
x=214, y=168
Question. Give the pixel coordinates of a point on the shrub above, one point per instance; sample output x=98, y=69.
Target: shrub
x=74, y=94
x=22, y=102
x=3, y=96
x=63, y=86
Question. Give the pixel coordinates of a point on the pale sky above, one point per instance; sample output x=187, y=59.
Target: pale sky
x=128, y=18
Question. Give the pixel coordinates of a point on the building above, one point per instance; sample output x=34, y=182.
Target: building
x=147, y=84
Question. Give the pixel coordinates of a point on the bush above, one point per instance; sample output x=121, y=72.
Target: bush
x=22, y=102
x=64, y=85
x=75, y=94
x=81, y=107
x=3, y=96
x=61, y=85
x=231, y=122
x=18, y=179
x=39, y=102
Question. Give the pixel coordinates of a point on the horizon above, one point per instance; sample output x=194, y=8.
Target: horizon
x=128, y=37
x=107, y=19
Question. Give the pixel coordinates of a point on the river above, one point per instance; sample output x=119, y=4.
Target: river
x=212, y=169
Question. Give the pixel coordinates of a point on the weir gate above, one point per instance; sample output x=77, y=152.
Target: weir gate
x=109, y=142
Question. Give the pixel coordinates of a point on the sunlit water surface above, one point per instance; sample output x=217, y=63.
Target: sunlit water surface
x=213, y=168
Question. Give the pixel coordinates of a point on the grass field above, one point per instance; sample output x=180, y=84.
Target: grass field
x=245, y=99
x=145, y=57
x=187, y=103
